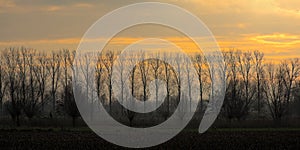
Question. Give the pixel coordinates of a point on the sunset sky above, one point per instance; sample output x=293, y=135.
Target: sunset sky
x=272, y=26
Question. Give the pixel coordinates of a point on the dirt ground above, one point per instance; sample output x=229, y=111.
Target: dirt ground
x=50, y=139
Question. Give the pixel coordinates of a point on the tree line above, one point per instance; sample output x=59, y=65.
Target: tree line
x=37, y=83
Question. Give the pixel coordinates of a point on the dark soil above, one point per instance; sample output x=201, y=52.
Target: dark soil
x=48, y=139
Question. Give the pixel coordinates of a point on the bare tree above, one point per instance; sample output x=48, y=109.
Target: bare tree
x=279, y=84
x=69, y=104
x=108, y=63
x=41, y=76
x=130, y=114
x=26, y=76
x=292, y=72
x=178, y=76
x=22, y=66
x=240, y=91
x=167, y=77
x=230, y=102
x=121, y=65
x=259, y=71
x=64, y=68
x=275, y=91
x=144, y=71
x=85, y=65
x=54, y=72
x=31, y=107
x=245, y=62
x=71, y=63
x=3, y=82
x=296, y=99
x=200, y=66
x=67, y=61
x=156, y=65
x=99, y=75
x=14, y=106
x=190, y=80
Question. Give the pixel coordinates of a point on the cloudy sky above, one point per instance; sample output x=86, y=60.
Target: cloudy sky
x=272, y=26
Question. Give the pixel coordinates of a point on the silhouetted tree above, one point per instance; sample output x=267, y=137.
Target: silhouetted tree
x=69, y=104
x=240, y=92
x=245, y=62
x=54, y=72
x=31, y=107
x=99, y=70
x=291, y=73
x=259, y=71
x=41, y=76
x=275, y=91
x=108, y=63
x=144, y=72
x=156, y=65
x=167, y=78
x=3, y=82
x=14, y=106
x=200, y=67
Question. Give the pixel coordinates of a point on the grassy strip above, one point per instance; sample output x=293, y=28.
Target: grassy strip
x=254, y=129
x=86, y=129
x=47, y=129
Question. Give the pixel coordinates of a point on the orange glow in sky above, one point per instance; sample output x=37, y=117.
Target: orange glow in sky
x=271, y=26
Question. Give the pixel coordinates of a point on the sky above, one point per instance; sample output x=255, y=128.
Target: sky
x=271, y=26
